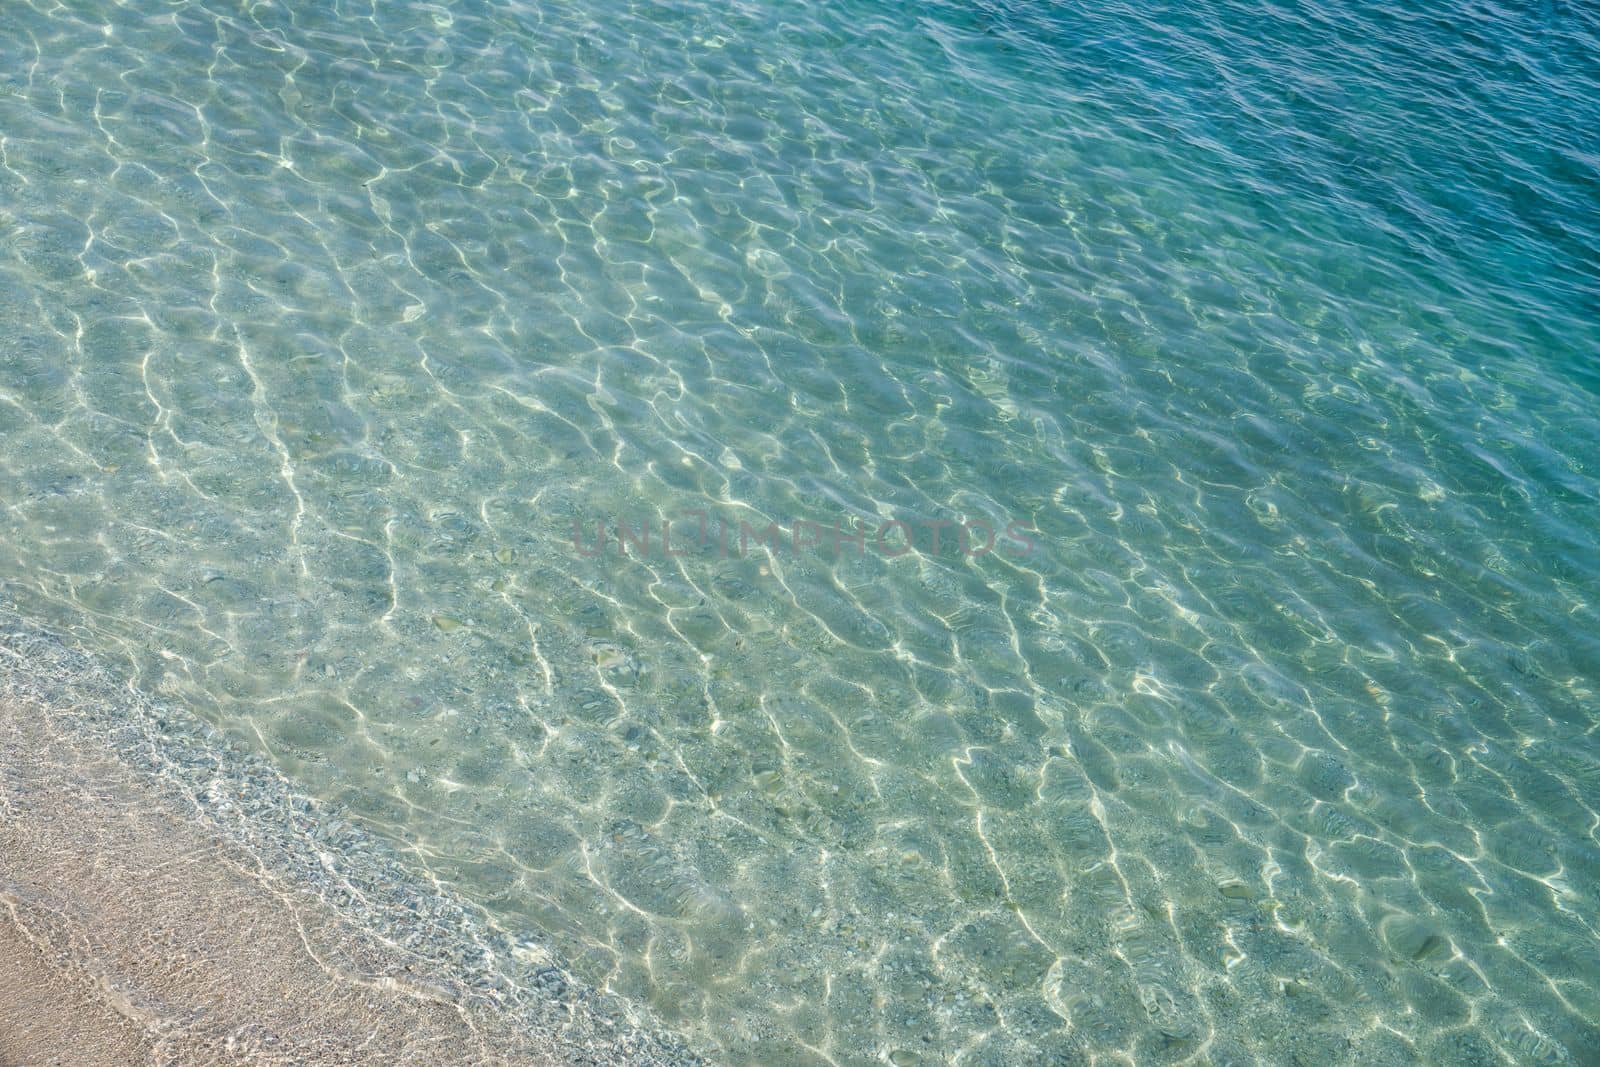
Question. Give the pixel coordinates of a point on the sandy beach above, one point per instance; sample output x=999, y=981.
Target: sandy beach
x=163, y=901
x=129, y=934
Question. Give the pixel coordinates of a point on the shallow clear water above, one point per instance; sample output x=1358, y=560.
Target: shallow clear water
x=330, y=337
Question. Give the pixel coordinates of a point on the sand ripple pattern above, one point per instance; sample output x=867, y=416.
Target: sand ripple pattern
x=322, y=324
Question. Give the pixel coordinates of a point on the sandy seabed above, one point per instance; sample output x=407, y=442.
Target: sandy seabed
x=164, y=901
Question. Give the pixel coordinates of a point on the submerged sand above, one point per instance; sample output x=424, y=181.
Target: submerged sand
x=129, y=934
x=137, y=928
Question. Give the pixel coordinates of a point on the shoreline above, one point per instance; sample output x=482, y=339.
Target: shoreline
x=164, y=899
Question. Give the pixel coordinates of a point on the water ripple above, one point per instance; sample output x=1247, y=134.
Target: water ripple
x=1269, y=739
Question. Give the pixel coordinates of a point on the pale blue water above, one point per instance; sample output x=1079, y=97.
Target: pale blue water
x=1270, y=734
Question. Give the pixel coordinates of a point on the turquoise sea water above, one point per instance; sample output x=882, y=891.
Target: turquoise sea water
x=331, y=336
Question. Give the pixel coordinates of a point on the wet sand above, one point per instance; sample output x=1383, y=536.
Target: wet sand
x=165, y=899
x=129, y=934
x=50, y=1016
